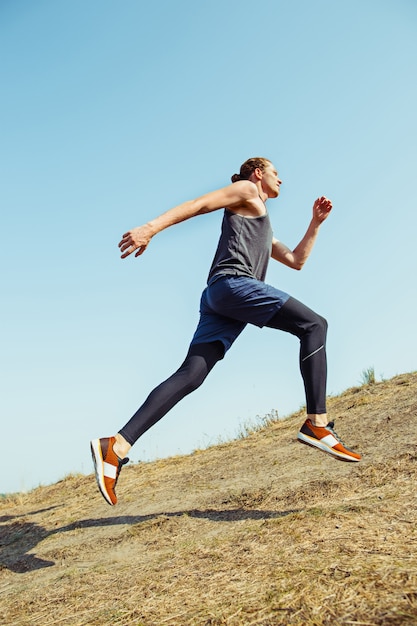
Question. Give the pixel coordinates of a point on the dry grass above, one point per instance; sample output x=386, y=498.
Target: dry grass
x=261, y=531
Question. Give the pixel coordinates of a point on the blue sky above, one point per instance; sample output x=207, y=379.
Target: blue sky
x=113, y=112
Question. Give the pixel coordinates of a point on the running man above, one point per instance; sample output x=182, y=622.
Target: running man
x=236, y=295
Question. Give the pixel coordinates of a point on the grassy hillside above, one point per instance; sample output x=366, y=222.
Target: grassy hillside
x=260, y=531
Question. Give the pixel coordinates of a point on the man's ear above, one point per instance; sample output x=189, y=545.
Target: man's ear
x=258, y=173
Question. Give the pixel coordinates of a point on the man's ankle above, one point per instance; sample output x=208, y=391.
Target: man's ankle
x=121, y=447
x=318, y=419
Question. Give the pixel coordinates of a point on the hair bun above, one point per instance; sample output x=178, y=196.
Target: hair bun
x=235, y=178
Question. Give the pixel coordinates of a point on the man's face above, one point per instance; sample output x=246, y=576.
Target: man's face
x=270, y=181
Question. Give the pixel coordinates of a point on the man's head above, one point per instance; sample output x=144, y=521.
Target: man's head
x=260, y=170
x=248, y=167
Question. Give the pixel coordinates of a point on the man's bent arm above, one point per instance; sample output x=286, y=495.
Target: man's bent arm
x=297, y=257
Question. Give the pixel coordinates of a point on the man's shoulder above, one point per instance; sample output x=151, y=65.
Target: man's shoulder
x=248, y=202
x=247, y=189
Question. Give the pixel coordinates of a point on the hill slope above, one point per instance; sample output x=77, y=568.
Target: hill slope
x=257, y=531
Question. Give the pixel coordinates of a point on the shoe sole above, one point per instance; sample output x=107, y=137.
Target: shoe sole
x=99, y=469
x=316, y=443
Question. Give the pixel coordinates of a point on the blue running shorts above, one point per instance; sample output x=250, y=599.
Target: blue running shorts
x=230, y=302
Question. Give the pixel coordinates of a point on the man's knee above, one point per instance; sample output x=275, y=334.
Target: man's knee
x=323, y=323
x=318, y=325
x=200, y=360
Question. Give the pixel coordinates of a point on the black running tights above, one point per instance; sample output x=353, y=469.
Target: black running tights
x=293, y=317
x=311, y=329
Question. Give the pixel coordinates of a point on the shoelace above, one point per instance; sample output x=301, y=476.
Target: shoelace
x=121, y=462
x=330, y=426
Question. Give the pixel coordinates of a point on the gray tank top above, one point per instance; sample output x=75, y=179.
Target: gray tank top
x=244, y=248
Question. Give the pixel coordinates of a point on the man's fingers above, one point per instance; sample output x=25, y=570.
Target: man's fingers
x=126, y=239
x=127, y=251
x=130, y=249
x=133, y=241
x=324, y=202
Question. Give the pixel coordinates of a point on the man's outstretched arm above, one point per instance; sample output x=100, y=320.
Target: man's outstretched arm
x=137, y=239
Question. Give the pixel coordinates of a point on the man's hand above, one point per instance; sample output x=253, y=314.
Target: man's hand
x=321, y=209
x=136, y=239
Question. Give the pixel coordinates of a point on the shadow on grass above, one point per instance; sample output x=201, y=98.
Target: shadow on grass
x=7, y=518
x=19, y=537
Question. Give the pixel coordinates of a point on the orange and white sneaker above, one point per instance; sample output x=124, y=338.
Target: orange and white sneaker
x=107, y=466
x=324, y=438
